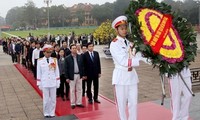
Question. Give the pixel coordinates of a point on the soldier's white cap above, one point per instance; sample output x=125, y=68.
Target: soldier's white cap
x=47, y=48
x=119, y=21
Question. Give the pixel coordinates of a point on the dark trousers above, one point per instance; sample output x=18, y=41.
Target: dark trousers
x=35, y=69
x=18, y=57
x=28, y=63
x=95, y=86
x=31, y=65
x=14, y=58
x=24, y=62
x=84, y=82
x=62, y=84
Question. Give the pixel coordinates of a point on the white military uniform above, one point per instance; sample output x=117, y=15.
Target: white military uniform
x=124, y=81
x=180, y=104
x=48, y=79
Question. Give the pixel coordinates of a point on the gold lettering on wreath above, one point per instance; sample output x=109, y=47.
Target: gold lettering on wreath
x=159, y=31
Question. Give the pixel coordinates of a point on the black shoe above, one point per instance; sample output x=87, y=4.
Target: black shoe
x=51, y=116
x=81, y=106
x=73, y=106
x=46, y=116
x=90, y=101
x=97, y=101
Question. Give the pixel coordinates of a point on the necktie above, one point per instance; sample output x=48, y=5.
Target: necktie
x=125, y=42
x=47, y=60
x=92, y=57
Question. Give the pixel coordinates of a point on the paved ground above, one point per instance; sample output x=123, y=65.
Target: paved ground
x=19, y=101
x=194, y=107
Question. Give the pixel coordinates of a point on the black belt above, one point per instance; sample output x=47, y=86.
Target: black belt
x=76, y=73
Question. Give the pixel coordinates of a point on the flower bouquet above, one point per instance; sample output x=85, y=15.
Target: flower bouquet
x=52, y=66
x=161, y=35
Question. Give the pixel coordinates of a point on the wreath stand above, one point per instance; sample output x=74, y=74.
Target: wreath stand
x=163, y=87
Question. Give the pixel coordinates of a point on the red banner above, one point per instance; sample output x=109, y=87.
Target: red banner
x=129, y=64
x=160, y=34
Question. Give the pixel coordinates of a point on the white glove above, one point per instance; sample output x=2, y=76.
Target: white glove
x=141, y=58
x=58, y=84
x=135, y=62
x=40, y=87
x=147, y=61
x=38, y=83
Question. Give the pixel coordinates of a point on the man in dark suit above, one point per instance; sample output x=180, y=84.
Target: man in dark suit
x=92, y=71
x=66, y=49
x=30, y=53
x=55, y=52
x=84, y=81
x=12, y=50
x=74, y=71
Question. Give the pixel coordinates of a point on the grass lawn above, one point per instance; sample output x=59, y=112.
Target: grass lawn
x=53, y=31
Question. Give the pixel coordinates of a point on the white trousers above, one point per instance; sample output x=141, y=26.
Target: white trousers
x=180, y=104
x=49, y=101
x=126, y=95
x=76, y=87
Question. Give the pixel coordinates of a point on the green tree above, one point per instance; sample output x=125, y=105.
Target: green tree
x=102, y=12
x=66, y=16
x=30, y=13
x=120, y=7
x=58, y=15
x=80, y=14
x=14, y=16
x=2, y=21
x=187, y=9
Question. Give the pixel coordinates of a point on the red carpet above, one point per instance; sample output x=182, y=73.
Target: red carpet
x=104, y=111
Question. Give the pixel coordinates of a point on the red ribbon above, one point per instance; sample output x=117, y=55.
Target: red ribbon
x=129, y=62
x=160, y=34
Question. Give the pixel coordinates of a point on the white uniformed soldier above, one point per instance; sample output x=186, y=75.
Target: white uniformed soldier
x=180, y=104
x=48, y=79
x=125, y=78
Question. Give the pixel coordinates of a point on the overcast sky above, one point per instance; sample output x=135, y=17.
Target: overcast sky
x=5, y=5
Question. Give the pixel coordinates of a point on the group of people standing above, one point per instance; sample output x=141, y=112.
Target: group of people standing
x=62, y=71
x=72, y=67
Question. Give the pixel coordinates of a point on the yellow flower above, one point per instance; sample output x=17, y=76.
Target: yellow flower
x=150, y=19
x=104, y=31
